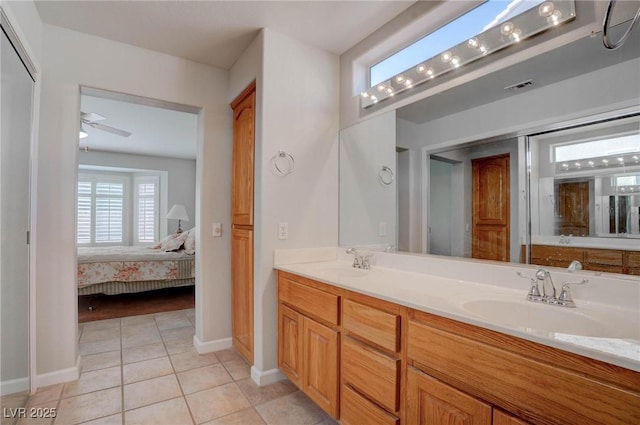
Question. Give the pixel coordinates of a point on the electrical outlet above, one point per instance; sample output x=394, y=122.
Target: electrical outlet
x=217, y=230
x=283, y=230
x=382, y=229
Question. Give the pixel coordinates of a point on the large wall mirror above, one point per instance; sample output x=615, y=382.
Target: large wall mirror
x=541, y=194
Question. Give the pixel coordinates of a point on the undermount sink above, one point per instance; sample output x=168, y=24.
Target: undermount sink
x=534, y=316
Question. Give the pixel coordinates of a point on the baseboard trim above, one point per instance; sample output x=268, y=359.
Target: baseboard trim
x=12, y=386
x=58, y=376
x=262, y=378
x=211, y=346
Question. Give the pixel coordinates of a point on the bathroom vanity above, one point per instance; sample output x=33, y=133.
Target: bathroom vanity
x=400, y=346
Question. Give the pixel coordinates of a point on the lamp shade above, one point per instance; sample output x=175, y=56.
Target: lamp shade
x=178, y=212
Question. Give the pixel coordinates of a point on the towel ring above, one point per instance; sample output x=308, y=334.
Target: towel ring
x=283, y=162
x=385, y=175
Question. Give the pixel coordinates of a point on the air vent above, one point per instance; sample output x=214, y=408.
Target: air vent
x=520, y=85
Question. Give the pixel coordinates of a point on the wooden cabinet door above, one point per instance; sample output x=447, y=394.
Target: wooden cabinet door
x=491, y=208
x=431, y=402
x=320, y=365
x=504, y=418
x=290, y=348
x=242, y=291
x=243, y=157
x=573, y=208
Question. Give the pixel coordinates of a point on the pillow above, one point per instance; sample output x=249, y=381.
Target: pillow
x=190, y=242
x=172, y=242
x=175, y=243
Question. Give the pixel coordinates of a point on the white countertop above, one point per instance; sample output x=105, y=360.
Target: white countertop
x=594, y=330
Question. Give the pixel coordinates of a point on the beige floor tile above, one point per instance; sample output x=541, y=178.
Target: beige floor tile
x=258, y=395
x=151, y=391
x=146, y=370
x=100, y=360
x=171, y=412
x=50, y=393
x=176, y=346
x=295, y=408
x=190, y=313
x=100, y=334
x=90, y=406
x=244, y=417
x=184, y=333
x=143, y=334
x=216, y=402
x=99, y=346
x=203, y=378
x=239, y=369
x=101, y=324
x=39, y=414
x=328, y=421
x=138, y=320
x=108, y=420
x=227, y=355
x=93, y=381
x=191, y=360
x=175, y=319
x=143, y=352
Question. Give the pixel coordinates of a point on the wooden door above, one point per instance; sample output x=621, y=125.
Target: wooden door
x=573, y=208
x=242, y=175
x=242, y=291
x=504, y=418
x=290, y=347
x=431, y=402
x=320, y=365
x=491, y=208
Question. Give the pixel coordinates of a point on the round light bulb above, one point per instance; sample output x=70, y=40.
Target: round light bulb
x=455, y=61
x=430, y=72
x=400, y=78
x=421, y=68
x=516, y=35
x=446, y=57
x=473, y=43
x=364, y=94
x=591, y=163
x=484, y=49
x=605, y=161
x=546, y=9
x=408, y=83
x=554, y=19
x=381, y=87
x=390, y=90
x=507, y=28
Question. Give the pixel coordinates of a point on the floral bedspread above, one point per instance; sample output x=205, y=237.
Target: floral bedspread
x=131, y=264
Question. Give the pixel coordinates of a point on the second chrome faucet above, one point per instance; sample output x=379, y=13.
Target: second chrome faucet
x=543, y=279
x=359, y=261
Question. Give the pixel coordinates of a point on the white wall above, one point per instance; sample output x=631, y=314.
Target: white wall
x=365, y=203
x=180, y=184
x=72, y=59
x=297, y=111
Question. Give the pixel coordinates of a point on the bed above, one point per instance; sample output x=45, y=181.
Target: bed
x=127, y=269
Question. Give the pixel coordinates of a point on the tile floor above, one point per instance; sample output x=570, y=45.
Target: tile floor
x=144, y=370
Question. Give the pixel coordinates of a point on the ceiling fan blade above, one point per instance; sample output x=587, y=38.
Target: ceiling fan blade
x=92, y=116
x=108, y=129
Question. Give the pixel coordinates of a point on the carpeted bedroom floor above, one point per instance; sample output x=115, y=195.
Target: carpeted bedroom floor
x=114, y=306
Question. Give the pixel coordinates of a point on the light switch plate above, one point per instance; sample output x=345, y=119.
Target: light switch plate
x=283, y=231
x=217, y=230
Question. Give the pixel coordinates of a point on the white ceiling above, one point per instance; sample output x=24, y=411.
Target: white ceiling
x=156, y=131
x=217, y=32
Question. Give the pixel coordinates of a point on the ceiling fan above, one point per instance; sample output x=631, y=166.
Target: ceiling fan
x=91, y=119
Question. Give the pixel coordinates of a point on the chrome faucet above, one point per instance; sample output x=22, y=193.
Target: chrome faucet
x=548, y=296
x=359, y=261
x=548, y=288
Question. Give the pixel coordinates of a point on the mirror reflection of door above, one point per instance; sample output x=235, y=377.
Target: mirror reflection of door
x=491, y=208
x=572, y=208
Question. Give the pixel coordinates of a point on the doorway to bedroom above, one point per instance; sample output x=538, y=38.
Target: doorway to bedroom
x=135, y=206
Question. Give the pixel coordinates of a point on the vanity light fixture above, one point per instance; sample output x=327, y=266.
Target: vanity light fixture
x=493, y=39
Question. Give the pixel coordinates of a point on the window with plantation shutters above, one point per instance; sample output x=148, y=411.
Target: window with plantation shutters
x=101, y=210
x=146, y=209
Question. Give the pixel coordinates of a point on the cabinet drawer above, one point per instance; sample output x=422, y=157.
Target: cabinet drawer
x=371, y=373
x=376, y=326
x=314, y=302
x=633, y=259
x=505, y=378
x=357, y=410
x=605, y=257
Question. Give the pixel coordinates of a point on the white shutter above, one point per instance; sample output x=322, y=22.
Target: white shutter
x=84, y=212
x=147, y=209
